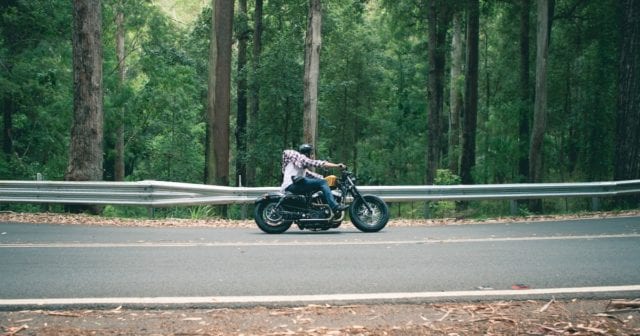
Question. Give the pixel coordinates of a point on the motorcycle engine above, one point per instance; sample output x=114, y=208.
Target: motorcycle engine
x=317, y=214
x=317, y=198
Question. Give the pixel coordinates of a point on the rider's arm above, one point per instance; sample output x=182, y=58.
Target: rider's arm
x=328, y=164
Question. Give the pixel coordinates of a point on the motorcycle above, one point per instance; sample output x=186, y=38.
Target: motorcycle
x=276, y=212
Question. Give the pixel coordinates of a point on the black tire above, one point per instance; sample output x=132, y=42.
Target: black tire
x=365, y=220
x=269, y=219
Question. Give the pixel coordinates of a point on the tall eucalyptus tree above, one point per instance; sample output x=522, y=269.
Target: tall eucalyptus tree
x=313, y=42
x=86, y=152
x=219, y=93
x=627, y=140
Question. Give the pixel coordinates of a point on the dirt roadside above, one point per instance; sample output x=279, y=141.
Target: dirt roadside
x=84, y=219
x=528, y=317
x=571, y=317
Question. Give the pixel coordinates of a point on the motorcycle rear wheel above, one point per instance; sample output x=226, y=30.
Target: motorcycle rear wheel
x=269, y=219
x=369, y=221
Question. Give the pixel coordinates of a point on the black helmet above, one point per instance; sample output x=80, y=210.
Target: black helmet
x=305, y=149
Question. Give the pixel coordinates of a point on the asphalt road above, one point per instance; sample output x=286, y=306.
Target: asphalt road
x=39, y=262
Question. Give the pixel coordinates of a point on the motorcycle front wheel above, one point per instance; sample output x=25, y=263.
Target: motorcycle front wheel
x=367, y=220
x=269, y=219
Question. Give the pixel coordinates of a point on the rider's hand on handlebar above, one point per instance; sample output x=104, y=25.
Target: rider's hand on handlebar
x=335, y=165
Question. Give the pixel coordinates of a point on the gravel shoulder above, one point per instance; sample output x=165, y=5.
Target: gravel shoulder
x=527, y=317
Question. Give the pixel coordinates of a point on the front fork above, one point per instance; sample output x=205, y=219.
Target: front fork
x=356, y=194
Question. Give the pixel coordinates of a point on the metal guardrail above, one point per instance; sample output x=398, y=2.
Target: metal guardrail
x=164, y=194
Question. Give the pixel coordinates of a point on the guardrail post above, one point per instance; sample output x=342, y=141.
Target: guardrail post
x=427, y=210
x=150, y=210
x=513, y=207
x=44, y=207
x=595, y=203
x=243, y=211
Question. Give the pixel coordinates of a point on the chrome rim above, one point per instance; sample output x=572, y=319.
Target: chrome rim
x=271, y=215
x=372, y=217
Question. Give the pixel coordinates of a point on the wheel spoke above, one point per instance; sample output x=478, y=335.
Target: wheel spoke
x=271, y=215
x=369, y=217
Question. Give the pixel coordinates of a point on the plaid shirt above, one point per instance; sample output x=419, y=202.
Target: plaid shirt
x=296, y=164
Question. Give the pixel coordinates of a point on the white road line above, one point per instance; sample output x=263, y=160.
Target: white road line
x=311, y=243
x=272, y=299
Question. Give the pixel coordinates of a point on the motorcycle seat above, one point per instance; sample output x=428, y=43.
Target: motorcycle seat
x=291, y=195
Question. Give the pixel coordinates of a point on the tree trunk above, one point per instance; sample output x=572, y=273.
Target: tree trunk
x=86, y=152
x=523, y=129
x=433, y=97
x=455, y=92
x=119, y=159
x=540, y=103
x=438, y=18
x=470, y=112
x=313, y=42
x=241, y=119
x=7, y=119
x=209, y=155
x=627, y=140
x=254, y=91
x=219, y=93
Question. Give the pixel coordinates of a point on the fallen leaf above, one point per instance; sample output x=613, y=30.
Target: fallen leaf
x=591, y=329
x=546, y=306
x=14, y=330
x=25, y=320
x=520, y=286
x=54, y=313
x=116, y=310
x=445, y=315
x=192, y=319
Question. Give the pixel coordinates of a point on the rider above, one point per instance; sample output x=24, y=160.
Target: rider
x=298, y=179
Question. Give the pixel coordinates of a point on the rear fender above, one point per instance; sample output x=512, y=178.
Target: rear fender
x=271, y=196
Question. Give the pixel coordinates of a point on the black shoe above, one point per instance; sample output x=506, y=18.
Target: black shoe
x=340, y=207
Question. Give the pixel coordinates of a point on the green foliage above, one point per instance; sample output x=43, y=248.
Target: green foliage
x=372, y=97
x=161, y=99
x=35, y=86
x=125, y=212
x=446, y=177
x=444, y=208
x=583, y=124
x=581, y=90
x=201, y=212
